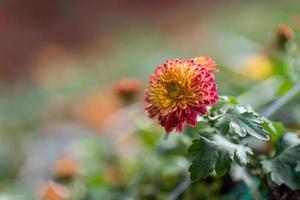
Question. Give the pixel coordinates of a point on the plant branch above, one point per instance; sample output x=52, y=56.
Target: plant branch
x=281, y=101
x=179, y=189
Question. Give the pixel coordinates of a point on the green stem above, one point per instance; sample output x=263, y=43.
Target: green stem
x=179, y=189
x=282, y=101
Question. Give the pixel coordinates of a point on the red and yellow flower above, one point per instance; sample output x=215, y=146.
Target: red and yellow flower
x=207, y=62
x=179, y=91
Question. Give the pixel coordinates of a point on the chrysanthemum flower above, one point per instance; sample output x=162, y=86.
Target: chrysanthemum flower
x=207, y=62
x=54, y=191
x=128, y=89
x=66, y=168
x=178, y=92
x=285, y=34
x=258, y=66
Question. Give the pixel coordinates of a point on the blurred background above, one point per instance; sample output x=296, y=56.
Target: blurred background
x=72, y=76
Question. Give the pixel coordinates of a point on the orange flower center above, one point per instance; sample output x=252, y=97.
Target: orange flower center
x=175, y=91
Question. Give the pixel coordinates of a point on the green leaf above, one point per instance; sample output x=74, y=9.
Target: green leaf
x=297, y=169
x=215, y=155
x=275, y=129
x=285, y=87
x=222, y=104
x=243, y=121
x=284, y=167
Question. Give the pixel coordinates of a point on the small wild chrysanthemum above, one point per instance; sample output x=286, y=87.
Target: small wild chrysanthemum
x=180, y=90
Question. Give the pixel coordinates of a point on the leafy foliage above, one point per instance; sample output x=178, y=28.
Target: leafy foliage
x=275, y=129
x=213, y=152
x=285, y=167
x=243, y=121
x=215, y=155
x=297, y=169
